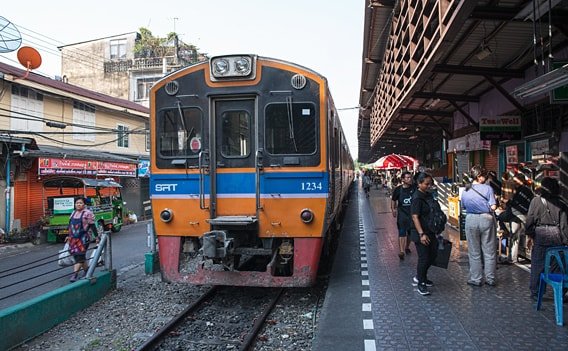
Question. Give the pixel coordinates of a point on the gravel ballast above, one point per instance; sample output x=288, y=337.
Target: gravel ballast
x=142, y=304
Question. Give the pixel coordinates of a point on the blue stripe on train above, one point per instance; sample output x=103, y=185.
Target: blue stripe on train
x=241, y=183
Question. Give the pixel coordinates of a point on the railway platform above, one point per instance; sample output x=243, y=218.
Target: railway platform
x=371, y=305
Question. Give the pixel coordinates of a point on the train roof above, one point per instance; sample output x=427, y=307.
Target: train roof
x=264, y=58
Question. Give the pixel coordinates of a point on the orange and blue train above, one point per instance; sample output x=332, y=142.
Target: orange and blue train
x=250, y=171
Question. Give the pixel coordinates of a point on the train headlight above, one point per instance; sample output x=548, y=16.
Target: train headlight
x=220, y=67
x=166, y=215
x=233, y=67
x=306, y=215
x=242, y=65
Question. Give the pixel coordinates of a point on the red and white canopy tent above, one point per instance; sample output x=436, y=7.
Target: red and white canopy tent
x=396, y=161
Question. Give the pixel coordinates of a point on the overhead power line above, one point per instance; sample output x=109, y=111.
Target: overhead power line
x=30, y=117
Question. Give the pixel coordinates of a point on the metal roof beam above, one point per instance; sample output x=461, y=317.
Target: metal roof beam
x=479, y=71
x=496, y=13
x=448, y=132
x=447, y=97
x=465, y=114
x=409, y=111
x=505, y=93
x=414, y=124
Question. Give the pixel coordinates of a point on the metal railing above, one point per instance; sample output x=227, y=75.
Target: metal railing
x=20, y=280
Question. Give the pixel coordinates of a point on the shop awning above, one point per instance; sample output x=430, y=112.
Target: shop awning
x=80, y=154
x=75, y=182
x=73, y=162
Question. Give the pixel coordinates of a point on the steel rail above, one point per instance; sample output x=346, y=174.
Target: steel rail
x=259, y=322
x=162, y=332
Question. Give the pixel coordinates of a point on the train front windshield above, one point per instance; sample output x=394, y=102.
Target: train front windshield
x=291, y=130
x=180, y=131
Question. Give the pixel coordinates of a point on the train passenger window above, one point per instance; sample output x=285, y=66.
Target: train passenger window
x=179, y=132
x=291, y=128
x=235, y=134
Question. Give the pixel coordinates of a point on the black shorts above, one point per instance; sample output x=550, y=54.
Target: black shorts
x=81, y=257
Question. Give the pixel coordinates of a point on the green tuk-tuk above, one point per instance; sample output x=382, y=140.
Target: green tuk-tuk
x=104, y=199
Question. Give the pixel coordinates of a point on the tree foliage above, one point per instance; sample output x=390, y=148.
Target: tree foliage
x=149, y=45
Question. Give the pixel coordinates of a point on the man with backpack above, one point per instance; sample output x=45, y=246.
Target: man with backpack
x=428, y=221
x=400, y=207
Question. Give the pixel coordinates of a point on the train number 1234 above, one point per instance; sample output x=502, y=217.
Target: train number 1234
x=311, y=186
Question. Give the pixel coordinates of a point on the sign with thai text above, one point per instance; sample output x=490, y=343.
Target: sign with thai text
x=59, y=166
x=500, y=128
x=470, y=142
x=540, y=147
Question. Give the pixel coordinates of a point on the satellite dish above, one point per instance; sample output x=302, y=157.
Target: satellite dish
x=29, y=58
x=10, y=37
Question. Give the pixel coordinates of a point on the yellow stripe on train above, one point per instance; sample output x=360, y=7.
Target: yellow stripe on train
x=280, y=217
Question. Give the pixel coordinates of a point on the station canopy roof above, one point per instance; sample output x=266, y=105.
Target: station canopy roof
x=425, y=62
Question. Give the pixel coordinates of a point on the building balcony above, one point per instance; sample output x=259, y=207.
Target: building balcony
x=142, y=64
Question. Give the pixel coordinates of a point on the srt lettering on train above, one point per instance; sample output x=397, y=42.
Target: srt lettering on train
x=166, y=187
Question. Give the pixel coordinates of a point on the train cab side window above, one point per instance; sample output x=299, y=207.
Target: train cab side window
x=235, y=134
x=291, y=128
x=179, y=131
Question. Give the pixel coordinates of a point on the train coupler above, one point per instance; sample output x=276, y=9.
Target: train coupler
x=216, y=244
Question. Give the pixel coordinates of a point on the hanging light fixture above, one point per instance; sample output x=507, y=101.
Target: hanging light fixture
x=484, y=52
x=543, y=84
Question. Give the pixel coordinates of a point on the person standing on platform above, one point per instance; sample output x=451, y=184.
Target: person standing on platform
x=547, y=226
x=507, y=186
x=426, y=241
x=366, y=183
x=496, y=185
x=400, y=207
x=519, y=207
x=479, y=202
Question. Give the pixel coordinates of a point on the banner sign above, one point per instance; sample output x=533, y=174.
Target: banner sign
x=500, y=128
x=59, y=166
x=63, y=205
x=540, y=147
x=470, y=142
x=144, y=169
x=512, y=155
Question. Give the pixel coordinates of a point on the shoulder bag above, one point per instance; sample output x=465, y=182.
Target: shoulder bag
x=548, y=235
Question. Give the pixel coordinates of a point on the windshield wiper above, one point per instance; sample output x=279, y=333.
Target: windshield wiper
x=291, y=121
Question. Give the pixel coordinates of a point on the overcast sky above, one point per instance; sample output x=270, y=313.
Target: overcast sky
x=326, y=36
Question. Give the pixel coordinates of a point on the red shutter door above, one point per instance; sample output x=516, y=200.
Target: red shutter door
x=20, y=201
x=492, y=159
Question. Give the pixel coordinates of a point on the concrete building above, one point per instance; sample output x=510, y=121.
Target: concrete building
x=50, y=127
x=113, y=66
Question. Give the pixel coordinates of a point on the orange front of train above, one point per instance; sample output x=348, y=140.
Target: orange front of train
x=240, y=181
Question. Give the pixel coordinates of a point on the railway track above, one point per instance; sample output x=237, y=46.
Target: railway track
x=221, y=318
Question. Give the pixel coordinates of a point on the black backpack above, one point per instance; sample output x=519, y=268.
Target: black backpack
x=436, y=219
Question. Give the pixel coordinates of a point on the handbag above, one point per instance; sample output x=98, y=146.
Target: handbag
x=444, y=253
x=65, y=258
